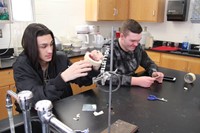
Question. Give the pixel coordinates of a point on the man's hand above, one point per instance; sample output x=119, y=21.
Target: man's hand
x=76, y=70
x=143, y=81
x=158, y=76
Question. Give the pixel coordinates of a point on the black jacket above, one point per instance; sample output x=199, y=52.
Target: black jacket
x=28, y=78
x=127, y=63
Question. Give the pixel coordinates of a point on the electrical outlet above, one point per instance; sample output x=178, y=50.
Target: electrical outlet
x=1, y=34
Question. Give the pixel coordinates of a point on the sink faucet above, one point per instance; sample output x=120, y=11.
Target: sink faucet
x=9, y=106
x=24, y=100
x=44, y=110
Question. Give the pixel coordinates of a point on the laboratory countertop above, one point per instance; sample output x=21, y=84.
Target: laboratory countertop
x=6, y=63
x=179, y=114
x=190, y=53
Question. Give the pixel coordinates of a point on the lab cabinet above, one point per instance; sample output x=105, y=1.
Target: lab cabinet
x=155, y=56
x=194, y=65
x=176, y=62
x=182, y=63
x=96, y=10
x=147, y=10
x=6, y=83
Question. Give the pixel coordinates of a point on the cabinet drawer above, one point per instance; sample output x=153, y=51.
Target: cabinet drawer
x=175, y=62
x=3, y=93
x=155, y=56
x=6, y=77
x=75, y=59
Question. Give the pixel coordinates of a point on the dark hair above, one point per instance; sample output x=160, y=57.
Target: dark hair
x=132, y=26
x=29, y=42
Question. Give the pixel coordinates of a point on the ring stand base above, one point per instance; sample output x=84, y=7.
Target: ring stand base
x=121, y=126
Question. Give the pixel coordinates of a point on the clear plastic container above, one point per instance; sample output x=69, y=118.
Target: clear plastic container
x=145, y=37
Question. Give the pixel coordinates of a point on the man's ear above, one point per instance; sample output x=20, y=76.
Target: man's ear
x=121, y=35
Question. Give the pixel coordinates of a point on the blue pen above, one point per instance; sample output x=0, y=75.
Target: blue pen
x=153, y=98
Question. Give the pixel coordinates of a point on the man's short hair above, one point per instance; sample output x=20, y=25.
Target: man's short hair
x=131, y=25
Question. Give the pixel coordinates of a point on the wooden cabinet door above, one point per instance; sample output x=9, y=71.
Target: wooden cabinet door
x=147, y=10
x=106, y=10
x=194, y=65
x=91, y=10
x=6, y=77
x=6, y=83
x=99, y=10
x=155, y=56
x=3, y=110
x=174, y=62
x=121, y=9
x=136, y=10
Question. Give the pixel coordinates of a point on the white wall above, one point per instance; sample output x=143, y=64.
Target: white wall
x=174, y=30
x=61, y=16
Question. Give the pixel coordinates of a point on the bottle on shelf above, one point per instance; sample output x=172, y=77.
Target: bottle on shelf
x=186, y=44
x=98, y=39
x=145, y=37
x=117, y=34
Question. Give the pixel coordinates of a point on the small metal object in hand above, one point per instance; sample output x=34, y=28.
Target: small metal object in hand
x=154, y=98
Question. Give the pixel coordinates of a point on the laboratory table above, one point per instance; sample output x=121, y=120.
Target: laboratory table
x=181, y=114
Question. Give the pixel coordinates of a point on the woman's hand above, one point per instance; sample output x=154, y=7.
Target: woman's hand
x=76, y=70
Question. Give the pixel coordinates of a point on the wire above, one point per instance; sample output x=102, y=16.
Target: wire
x=114, y=74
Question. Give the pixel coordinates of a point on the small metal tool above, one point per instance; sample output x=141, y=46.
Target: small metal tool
x=153, y=98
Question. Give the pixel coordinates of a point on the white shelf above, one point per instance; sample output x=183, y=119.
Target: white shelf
x=5, y=21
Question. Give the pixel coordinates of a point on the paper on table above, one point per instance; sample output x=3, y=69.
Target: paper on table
x=89, y=107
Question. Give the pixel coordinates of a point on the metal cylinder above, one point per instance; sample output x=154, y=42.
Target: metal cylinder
x=9, y=106
x=59, y=125
x=44, y=107
x=25, y=98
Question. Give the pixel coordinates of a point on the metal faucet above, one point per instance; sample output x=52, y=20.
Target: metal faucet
x=24, y=100
x=44, y=110
x=9, y=106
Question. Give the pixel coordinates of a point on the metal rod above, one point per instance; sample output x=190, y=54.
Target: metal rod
x=25, y=98
x=45, y=128
x=44, y=110
x=9, y=106
x=58, y=124
x=27, y=122
x=110, y=83
x=13, y=94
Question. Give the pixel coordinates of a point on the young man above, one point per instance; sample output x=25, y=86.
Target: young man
x=45, y=72
x=128, y=55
